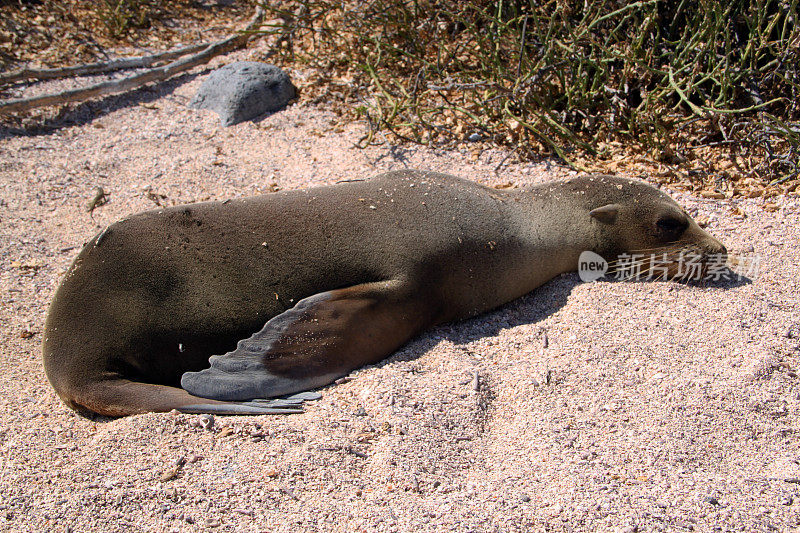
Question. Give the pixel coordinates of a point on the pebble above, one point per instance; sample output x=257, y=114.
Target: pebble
x=474, y=137
x=170, y=473
x=207, y=421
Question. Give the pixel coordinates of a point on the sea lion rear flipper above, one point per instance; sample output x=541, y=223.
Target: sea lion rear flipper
x=318, y=340
x=278, y=406
x=122, y=397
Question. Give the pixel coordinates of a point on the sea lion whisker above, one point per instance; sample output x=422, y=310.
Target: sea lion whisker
x=629, y=264
x=629, y=261
x=661, y=254
x=652, y=250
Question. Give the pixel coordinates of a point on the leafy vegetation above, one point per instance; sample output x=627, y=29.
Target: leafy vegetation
x=687, y=83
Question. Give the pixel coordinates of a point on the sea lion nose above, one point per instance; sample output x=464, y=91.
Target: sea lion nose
x=718, y=248
x=711, y=245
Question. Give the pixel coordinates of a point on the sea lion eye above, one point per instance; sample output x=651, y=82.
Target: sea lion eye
x=670, y=226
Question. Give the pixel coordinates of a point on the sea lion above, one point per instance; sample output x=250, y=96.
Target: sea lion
x=315, y=283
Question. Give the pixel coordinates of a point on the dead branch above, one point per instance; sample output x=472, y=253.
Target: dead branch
x=98, y=68
x=137, y=80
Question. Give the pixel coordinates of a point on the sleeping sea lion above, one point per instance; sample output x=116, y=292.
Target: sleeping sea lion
x=298, y=288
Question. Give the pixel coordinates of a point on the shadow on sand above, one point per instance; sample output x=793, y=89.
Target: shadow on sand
x=85, y=112
x=530, y=309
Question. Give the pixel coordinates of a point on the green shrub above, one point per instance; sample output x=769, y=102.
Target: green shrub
x=568, y=77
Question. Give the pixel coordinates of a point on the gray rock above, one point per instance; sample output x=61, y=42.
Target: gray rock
x=244, y=90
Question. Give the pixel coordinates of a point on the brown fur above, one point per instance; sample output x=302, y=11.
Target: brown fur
x=156, y=294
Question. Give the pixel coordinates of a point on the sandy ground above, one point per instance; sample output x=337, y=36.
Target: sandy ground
x=652, y=407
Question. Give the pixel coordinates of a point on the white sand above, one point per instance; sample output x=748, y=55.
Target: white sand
x=668, y=408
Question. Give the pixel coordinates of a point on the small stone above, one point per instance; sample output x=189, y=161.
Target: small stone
x=207, y=421
x=476, y=382
x=712, y=500
x=213, y=522
x=170, y=473
x=224, y=432
x=474, y=137
x=525, y=498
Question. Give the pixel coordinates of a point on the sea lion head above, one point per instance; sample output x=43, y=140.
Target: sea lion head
x=637, y=223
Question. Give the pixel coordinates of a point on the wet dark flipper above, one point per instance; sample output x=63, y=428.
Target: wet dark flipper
x=323, y=337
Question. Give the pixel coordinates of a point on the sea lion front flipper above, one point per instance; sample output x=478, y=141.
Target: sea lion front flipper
x=323, y=337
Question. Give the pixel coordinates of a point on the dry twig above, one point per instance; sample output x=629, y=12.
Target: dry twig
x=98, y=68
x=137, y=80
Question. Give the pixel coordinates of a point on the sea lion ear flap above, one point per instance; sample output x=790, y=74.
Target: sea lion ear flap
x=606, y=214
